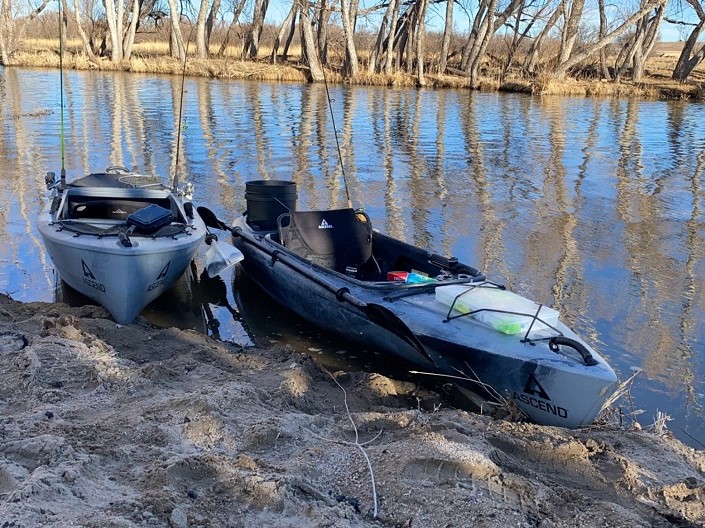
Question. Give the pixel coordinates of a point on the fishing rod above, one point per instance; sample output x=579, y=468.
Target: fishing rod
x=181, y=110
x=335, y=133
x=61, y=96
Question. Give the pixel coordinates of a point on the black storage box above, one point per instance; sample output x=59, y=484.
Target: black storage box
x=149, y=219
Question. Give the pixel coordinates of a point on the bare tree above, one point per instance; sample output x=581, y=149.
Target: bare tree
x=691, y=56
x=389, y=62
x=604, y=70
x=639, y=46
x=12, y=30
x=82, y=33
x=210, y=20
x=286, y=27
x=320, y=20
x=308, y=44
x=251, y=48
x=129, y=38
x=590, y=49
x=374, y=65
x=521, y=28
x=115, y=17
x=447, y=34
x=238, y=7
x=485, y=31
x=178, y=48
x=201, y=42
x=572, y=13
x=420, y=37
x=536, y=46
x=350, y=67
x=6, y=27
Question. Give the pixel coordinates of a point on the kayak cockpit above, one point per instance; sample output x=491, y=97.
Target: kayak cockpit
x=343, y=241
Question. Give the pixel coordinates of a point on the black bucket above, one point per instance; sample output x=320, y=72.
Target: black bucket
x=266, y=200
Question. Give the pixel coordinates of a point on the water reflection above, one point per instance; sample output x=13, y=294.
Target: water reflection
x=593, y=206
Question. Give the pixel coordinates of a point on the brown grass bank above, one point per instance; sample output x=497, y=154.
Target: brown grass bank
x=655, y=85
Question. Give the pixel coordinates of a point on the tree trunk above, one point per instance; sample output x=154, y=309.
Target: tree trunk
x=389, y=62
x=473, y=35
x=653, y=24
x=6, y=27
x=290, y=36
x=201, y=45
x=286, y=25
x=604, y=70
x=653, y=31
x=374, y=65
x=178, y=49
x=63, y=21
x=477, y=53
x=320, y=20
x=251, y=48
x=210, y=21
x=84, y=38
x=113, y=30
x=569, y=34
x=447, y=34
x=129, y=38
x=535, y=48
x=420, y=37
x=350, y=65
x=689, y=59
x=308, y=44
x=408, y=50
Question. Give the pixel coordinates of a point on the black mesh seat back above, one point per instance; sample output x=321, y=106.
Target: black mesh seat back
x=334, y=239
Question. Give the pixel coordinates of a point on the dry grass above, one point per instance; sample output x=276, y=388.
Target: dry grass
x=153, y=57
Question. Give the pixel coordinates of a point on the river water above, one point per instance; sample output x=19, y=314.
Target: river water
x=592, y=206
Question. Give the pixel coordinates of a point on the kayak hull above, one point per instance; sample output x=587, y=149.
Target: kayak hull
x=552, y=388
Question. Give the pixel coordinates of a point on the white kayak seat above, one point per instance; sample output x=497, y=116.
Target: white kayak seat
x=335, y=239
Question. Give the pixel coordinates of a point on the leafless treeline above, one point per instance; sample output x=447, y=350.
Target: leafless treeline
x=527, y=37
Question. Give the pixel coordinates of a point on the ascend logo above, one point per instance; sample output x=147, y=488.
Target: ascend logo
x=534, y=387
x=537, y=397
x=89, y=279
x=325, y=225
x=160, y=279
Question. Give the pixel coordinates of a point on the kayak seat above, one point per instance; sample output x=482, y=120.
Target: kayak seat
x=334, y=239
x=111, y=209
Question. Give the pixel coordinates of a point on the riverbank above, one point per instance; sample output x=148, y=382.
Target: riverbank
x=103, y=425
x=656, y=84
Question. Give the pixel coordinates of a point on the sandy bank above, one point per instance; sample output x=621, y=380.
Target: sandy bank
x=134, y=426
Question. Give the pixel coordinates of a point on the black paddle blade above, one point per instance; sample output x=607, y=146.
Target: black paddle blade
x=211, y=220
x=388, y=320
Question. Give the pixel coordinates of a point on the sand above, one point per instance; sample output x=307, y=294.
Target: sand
x=102, y=425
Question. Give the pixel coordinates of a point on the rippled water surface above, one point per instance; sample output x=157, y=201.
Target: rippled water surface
x=592, y=206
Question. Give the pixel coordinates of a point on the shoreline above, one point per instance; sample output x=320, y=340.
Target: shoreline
x=134, y=425
x=655, y=86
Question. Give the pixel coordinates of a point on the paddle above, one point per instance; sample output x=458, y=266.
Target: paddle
x=376, y=313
